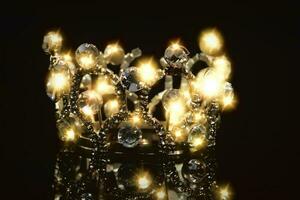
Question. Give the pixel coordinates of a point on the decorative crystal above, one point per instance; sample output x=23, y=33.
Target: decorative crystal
x=175, y=55
x=70, y=124
x=89, y=103
x=129, y=80
x=87, y=55
x=194, y=171
x=197, y=131
x=114, y=54
x=129, y=136
x=52, y=42
x=170, y=95
x=86, y=82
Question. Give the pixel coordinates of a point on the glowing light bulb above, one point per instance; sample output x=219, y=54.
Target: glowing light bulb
x=222, y=67
x=161, y=194
x=211, y=42
x=143, y=180
x=104, y=86
x=111, y=107
x=147, y=72
x=70, y=135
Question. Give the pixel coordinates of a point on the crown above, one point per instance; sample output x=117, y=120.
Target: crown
x=125, y=137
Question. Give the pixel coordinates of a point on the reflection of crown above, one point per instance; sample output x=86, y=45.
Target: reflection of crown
x=114, y=145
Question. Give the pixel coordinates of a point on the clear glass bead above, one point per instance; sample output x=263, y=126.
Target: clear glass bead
x=170, y=95
x=89, y=103
x=129, y=136
x=129, y=80
x=87, y=56
x=197, y=131
x=114, y=54
x=86, y=82
x=194, y=171
x=175, y=55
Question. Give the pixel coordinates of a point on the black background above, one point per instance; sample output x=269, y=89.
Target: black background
x=257, y=148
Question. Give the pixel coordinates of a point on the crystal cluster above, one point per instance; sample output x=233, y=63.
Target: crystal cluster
x=114, y=147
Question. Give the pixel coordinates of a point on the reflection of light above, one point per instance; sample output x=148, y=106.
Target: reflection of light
x=143, y=180
x=209, y=85
x=103, y=86
x=111, y=107
x=135, y=119
x=58, y=82
x=54, y=40
x=147, y=72
x=222, y=67
x=87, y=111
x=87, y=61
x=228, y=101
x=179, y=134
x=67, y=57
x=70, y=135
x=225, y=193
x=211, y=41
x=161, y=193
x=176, y=109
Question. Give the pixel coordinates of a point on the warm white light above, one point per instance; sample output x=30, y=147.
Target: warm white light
x=67, y=57
x=111, y=107
x=211, y=42
x=58, y=82
x=176, y=109
x=228, y=101
x=161, y=194
x=179, y=134
x=209, y=85
x=225, y=193
x=135, y=119
x=222, y=67
x=53, y=40
x=103, y=86
x=87, y=111
x=198, y=142
x=70, y=135
x=114, y=53
x=87, y=61
x=147, y=72
x=143, y=181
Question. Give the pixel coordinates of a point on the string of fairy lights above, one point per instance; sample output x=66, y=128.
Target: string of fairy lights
x=92, y=102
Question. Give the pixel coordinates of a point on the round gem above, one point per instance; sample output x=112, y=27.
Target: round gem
x=87, y=56
x=196, y=135
x=176, y=55
x=129, y=80
x=129, y=136
x=89, y=103
x=194, y=171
